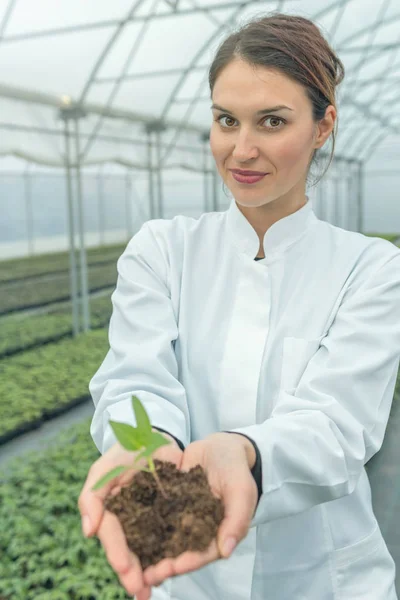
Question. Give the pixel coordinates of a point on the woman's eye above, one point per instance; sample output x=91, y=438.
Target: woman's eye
x=275, y=119
x=219, y=119
x=272, y=119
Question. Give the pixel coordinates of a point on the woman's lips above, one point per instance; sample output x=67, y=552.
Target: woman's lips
x=248, y=178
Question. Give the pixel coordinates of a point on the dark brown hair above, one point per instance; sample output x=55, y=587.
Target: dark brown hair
x=293, y=45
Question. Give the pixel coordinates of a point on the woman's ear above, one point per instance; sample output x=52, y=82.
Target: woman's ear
x=325, y=126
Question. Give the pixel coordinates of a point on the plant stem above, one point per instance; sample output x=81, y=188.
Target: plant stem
x=153, y=470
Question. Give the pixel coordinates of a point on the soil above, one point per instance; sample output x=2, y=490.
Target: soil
x=156, y=527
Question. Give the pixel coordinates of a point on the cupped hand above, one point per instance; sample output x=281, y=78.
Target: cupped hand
x=105, y=524
x=227, y=460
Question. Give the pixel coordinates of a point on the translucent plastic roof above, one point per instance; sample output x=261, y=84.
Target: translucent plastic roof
x=128, y=63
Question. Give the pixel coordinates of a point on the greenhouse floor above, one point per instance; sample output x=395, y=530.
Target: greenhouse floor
x=384, y=472
x=39, y=439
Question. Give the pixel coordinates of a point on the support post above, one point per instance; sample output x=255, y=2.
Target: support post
x=81, y=227
x=206, y=195
x=100, y=195
x=156, y=127
x=128, y=206
x=150, y=173
x=360, y=198
x=71, y=233
x=29, y=211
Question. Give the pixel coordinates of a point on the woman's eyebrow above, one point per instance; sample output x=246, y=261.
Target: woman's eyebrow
x=259, y=112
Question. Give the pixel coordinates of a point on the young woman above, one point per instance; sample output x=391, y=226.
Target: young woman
x=265, y=343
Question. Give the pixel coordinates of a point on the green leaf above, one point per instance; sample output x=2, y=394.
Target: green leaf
x=156, y=441
x=142, y=419
x=127, y=436
x=110, y=475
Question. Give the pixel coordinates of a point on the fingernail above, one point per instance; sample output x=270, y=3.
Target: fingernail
x=228, y=545
x=86, y=525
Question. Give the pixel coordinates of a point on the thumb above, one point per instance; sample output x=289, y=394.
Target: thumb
x=238, y=499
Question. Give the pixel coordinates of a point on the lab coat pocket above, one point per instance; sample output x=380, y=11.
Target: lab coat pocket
x=297, y=352
x=360, y=550
x=365, y=569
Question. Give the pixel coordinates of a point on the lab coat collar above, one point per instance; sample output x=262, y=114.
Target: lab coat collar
x=277, y=238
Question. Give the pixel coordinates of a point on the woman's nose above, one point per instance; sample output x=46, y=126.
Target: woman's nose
x=245, y=147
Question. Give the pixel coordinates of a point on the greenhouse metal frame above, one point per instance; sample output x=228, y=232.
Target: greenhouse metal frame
x=94, y=127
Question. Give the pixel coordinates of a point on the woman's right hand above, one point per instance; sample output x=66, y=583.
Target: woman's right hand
x=106, y=525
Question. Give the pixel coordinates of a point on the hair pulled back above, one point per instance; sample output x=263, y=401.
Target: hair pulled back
x=293, y=45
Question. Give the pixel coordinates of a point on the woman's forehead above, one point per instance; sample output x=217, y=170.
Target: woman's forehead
x=243, y=87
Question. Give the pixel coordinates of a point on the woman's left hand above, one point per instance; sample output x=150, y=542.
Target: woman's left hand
x=227, y=460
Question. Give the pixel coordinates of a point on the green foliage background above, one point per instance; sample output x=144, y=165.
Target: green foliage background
x=43, y=553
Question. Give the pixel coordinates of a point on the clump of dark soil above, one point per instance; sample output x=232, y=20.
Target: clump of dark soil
x=156, y=527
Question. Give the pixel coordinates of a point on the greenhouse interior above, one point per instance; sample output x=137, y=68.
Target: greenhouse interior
x=104, y=126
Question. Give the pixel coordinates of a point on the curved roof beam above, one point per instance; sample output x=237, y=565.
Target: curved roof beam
x=325, y=11
x=373, y=143
x=380, y=47
x=117, y=83
x=391, y=65
x=355, y=68
x=6, y=18
x=110, y=23
x=107, y=48
x=29, y=96
x=361, y=32
x=367, y=49
x=358, y=141
x=339, y=15
x=146, y=75
x=347, y=99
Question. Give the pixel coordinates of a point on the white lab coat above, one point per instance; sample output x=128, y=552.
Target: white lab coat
x=299, y=351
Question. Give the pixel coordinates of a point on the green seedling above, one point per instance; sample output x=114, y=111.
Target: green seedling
x=136, y=438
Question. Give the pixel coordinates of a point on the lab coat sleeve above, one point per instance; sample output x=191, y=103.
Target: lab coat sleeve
x=141, y=359
x=320, y=434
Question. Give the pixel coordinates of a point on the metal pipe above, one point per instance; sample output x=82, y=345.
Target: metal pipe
x=29, y=211
x=160, y=211
x=71, y=232
x=100, y=192
x=84, y=274
x=206, y=195
x=215, y=190
x=150, y=175
x=128, y=206
x=360, y=198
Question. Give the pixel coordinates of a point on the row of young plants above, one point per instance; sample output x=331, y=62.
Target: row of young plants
x=32, y=266
x=41, y=383
x=58, y=262
x=44, y=555
x=20, y=333
x=28, y=294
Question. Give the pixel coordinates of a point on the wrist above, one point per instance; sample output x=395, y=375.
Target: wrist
x=249, y=449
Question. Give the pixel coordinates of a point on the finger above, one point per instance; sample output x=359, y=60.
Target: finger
x=91, y=502
x=191, y=561
x=158, y=573
x=145, y=594
x=113, y=540
x=239, y=503
x=125, y=563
